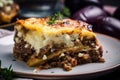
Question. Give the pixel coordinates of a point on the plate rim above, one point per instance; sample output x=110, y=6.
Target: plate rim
x=107, y=69
x=70, y=75
x=7, y=25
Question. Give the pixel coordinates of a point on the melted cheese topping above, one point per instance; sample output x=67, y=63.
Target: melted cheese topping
x=40, y=34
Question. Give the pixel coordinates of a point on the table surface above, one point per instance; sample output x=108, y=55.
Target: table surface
x=114, y=75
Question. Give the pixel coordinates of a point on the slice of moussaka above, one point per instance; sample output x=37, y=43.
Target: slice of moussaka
x=8, y=10
x=66, y=43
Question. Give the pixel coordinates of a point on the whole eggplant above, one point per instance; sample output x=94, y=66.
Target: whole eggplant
x=109, y=26
x=90, y=14
x=75, y=5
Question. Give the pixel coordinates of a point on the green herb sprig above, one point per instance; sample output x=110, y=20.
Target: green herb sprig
x=66, y=12
x=6, y=73
x=55, y=17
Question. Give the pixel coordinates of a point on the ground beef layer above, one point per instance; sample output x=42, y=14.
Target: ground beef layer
x=66, y=59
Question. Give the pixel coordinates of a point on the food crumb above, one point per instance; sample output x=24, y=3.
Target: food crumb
x=14, y=60
x=106, y=51
x=36, y=70
x=52, y=72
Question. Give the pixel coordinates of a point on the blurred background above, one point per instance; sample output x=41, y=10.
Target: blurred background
x=103, y=15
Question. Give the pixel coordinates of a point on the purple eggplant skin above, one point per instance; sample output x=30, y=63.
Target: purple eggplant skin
x=75, y=5
x=109, y=26
x=89, y=14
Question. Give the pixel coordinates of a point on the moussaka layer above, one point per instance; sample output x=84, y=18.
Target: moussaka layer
x=66, y=43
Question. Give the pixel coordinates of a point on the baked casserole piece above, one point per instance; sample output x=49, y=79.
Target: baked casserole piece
x=66, y=43
x=8, y=10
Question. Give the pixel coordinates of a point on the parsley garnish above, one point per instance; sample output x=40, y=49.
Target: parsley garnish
x=55, y=17
x=6, y=73
x=66, y=11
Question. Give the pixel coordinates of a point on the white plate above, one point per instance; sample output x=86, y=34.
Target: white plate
x=111, y=53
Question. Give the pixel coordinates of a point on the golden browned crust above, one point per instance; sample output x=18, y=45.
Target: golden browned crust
x=57, y=24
